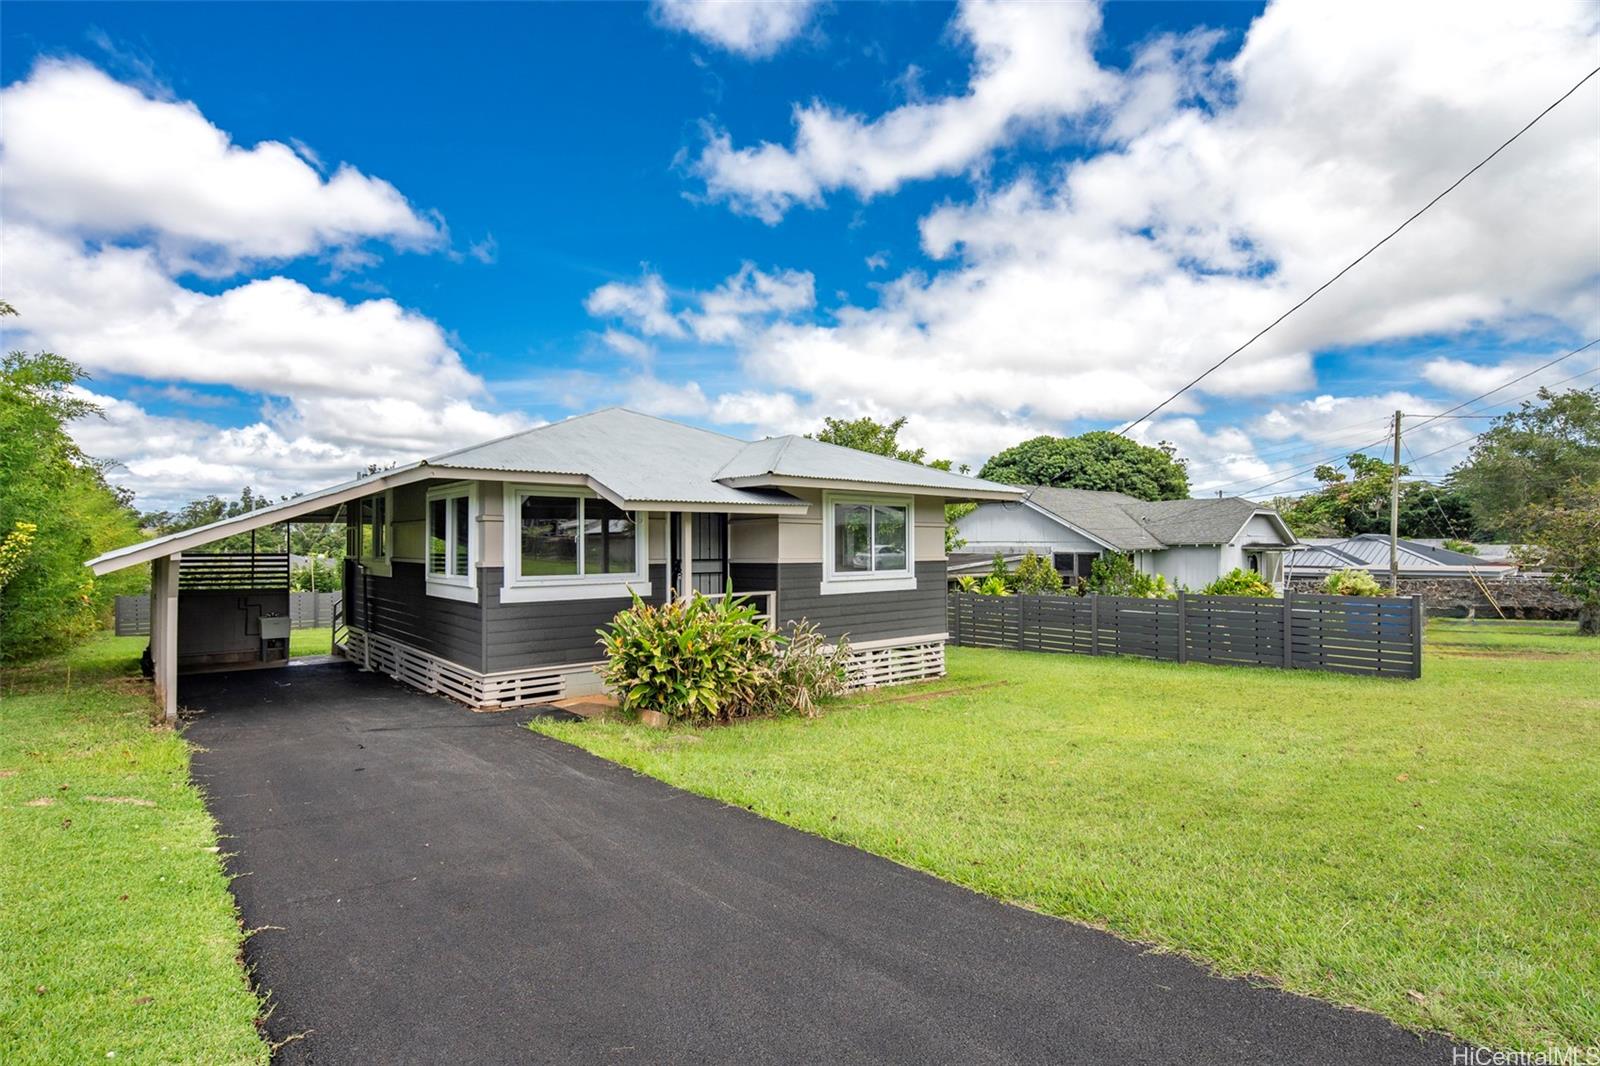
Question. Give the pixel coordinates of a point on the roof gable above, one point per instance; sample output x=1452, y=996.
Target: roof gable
x=1128, y=523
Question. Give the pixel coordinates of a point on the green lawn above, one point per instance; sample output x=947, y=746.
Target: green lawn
x=1428, y=849
x=303, y=642
x=117, y=931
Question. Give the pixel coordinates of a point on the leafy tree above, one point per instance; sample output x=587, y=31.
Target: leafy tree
x=866, y=434
x=319, y=575
x=1566, y=541
x=56, y=509
x=1539, y=454
x=1034, y=576
x=306, y=538
x=1357, y=502
x=1099, y=460
x=1114, y=574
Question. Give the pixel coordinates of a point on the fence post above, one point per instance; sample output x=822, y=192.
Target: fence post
x=1416, y=636
x=955, y=630
x=1183, y=627
x=1022, y=622
x=1094, y=623
x=1288, y=629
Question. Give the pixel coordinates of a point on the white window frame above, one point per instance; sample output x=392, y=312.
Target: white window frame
x=462, y=587
x=836, y=583
x=377, y=564
x=519, y=589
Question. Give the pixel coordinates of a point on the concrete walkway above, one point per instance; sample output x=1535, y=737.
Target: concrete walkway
x=443, y=886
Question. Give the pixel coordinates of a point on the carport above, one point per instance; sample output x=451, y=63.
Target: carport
x=227, y=610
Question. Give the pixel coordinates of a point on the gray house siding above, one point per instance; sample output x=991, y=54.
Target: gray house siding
x=862, y=616
x=551, y=633
x=401, y=609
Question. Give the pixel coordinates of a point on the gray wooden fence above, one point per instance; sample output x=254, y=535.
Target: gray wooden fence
x=1348, y=634
x=307, y=610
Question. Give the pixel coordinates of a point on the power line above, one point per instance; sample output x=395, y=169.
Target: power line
x=1289, y=477
x=1354, y=262
x=1513, y=381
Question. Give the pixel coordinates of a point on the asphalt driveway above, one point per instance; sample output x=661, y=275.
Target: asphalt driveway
x=434, y=885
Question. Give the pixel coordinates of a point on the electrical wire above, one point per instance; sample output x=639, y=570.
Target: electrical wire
x=1354, y=262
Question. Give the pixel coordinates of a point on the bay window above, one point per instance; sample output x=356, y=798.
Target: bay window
x=867, y=543
x=450, y=551
x=570, y=544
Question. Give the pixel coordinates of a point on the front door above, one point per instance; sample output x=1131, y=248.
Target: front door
x=708, y=565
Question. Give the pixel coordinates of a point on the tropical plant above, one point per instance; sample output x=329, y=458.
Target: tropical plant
x=1351, y=581
x=1114, y=574
x=319, y=575
x=994, y=585
x=1035, y=576
x=967, y=583
x=695, y=660
x=1239, y=582
x=809, y=670
x=1097, y=460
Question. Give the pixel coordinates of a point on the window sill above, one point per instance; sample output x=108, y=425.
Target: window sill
x=556, y=592
x=377, y=567
x=848, y=586
x=446, y=590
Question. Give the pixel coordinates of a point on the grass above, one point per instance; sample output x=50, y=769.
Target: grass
x=1426, y=849
x=304, y=642
x=118, y=936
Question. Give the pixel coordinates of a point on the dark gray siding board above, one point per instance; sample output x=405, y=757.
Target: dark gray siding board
x=402, y=609
x=550, y=633
x=861, y=616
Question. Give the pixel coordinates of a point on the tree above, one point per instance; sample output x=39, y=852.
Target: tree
x=312, y=538
x=1536, y=454
x=1099, y=460
x=1358, y=502
x=1566, y=541
x=869, y=435
x=56, y=510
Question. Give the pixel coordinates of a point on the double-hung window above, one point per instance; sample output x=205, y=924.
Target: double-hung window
x=369, y=531
x=568, y=544
x=451, y=554
x=867, y=543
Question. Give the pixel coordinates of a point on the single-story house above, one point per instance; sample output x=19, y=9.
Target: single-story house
x=1320, y=556
x=1189, y=542
x=485, y=572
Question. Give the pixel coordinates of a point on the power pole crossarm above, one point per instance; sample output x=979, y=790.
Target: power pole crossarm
x=1394, y=514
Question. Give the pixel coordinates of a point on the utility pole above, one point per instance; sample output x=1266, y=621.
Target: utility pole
x=1394, y=514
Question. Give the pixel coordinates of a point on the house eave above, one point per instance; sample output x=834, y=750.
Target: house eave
x=949, y=492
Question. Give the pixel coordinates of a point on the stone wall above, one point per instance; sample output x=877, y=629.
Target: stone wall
x=1518, y=597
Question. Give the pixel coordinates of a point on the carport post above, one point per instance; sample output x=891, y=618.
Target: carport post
x=164, y=634
x=686, y=555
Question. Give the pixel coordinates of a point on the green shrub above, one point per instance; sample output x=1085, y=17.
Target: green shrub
x=967, y=583
x=1113, y=574
x=994, y=585
x=714, y=660
x=808, y=672
x=697, y=660
x=1239, y=582
x=1035, y=576
x=1465, y=547
x=1351, y=582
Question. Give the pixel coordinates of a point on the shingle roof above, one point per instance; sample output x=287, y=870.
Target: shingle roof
x=1127, y=523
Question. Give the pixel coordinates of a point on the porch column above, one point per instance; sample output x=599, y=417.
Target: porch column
x=686, y=555
x=164, y=634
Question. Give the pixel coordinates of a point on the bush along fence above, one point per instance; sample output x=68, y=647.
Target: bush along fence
x=307, y=610
x=1376, y=636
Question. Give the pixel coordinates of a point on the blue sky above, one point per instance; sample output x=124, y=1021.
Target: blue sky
x=999, y=221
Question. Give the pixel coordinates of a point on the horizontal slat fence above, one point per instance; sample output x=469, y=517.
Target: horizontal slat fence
x=1348, y=634
x=233, y=570
x=307, y=610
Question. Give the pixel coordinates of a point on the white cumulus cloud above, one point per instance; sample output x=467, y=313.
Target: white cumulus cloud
x=754, y=29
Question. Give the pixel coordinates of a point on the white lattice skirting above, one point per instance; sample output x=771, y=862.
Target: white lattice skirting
x=871, y=665
x=511, y=688
x=895, y=662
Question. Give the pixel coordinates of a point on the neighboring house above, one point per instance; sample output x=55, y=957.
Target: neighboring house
x=485, y=572
x=1320, y=556
x=1189, y=542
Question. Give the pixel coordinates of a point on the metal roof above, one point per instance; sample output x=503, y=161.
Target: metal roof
x=637, y=461
x=1126, y=523
x=805, y=459
x=1370, y=551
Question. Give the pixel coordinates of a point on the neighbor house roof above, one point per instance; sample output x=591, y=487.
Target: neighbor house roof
x=1370, y=551
x=1127, y=523
x=637, y=461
